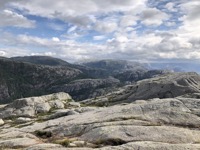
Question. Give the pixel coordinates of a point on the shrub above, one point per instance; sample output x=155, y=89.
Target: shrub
x=43, y=134
x=112, y=142
x=64, y=142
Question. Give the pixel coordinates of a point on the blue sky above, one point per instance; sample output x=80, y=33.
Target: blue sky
x=139, y=30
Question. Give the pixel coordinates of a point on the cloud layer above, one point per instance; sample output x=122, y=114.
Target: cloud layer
x=72, y=29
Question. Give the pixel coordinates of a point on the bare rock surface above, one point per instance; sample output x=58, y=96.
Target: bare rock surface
x=30, y=107
x=1, y=122
x=165, y=86
x=168, y=123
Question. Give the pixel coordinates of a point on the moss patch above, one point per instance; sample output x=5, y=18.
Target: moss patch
x=64, y=142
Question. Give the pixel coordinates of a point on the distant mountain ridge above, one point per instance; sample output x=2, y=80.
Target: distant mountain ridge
x=115, y=65
x=42, y=60
x=18, y=79
x=39, y=75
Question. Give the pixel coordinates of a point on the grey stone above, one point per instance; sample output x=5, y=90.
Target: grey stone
x=1, y=122
x=166, y=86
x=30, y=107
x=18, y=143
x=23, y=120
x=74, y=104
x=43, y=107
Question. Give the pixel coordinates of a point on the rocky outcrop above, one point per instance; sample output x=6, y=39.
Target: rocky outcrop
x=166, y=86
x=114, y=66
x=1, y=122
x=30, y=107
x=131, y=76
x=169, y=123
x=88, y=88
x=44, y=75
x=18, y=79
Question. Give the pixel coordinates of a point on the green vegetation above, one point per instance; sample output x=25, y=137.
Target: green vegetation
x=26, y=79
x=64, y=142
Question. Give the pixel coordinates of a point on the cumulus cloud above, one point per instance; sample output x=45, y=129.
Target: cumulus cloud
x=106, y=27
x=10, y=18
x=170, y=7
x=55, y=39
x=76, y=11
x=153, y=16
x=128, y=20
x=2, y=53
x=130, y=29
x=56, y=27
x=76, y=7
x=44, y=54
x=70, y=30
x=98, y=38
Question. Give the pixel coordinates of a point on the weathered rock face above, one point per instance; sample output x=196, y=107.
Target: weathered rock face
x=170, y=85
x=132, y=76
x=165, y=86
x=88, y=88
x=115, y=66
x=44, y=75
x=1, y=122
x=30, y=107
x=18, y=79
x=170, y=123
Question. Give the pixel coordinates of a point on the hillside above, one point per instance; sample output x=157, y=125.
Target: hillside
x=18, y=79
x=151, y=119
x=38, y=75
x=165, y=86
x=115, y=66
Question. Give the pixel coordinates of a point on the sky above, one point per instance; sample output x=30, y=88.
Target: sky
x=74, y=30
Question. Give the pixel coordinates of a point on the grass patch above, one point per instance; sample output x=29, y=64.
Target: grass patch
x=64, y=142
x=25, y=125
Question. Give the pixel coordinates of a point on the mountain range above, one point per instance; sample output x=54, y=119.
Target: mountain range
x=37, y=75
x=158, y=113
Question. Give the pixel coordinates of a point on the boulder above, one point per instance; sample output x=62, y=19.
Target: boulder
x=74, y=104
x=23, y=120
x=18, y=143
x=30, y=107
x=42, y=107
x=1, y=122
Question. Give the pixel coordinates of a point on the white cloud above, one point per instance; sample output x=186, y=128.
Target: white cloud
x=76, y=11
x=10, y=18
x=118, y=20
x=73, y=28
x=76, y=7
x=14, y=51
x=171, y=7
x=44, y=54
x=153, y=17
x=128, y=20
x=170, y=23
x=106, y=27
x=56, y=27
x=2, y=53
x=191, y=23
x=55, y=39
x=98, y=38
